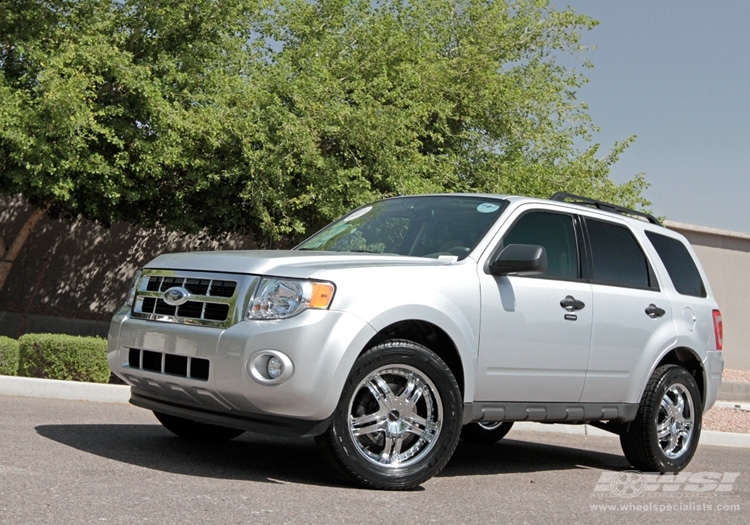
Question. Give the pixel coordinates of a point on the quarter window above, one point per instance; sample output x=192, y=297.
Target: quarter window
x=680, y=265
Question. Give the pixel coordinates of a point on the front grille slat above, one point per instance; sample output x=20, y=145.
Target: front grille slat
x=216, y=312
x=163, y=308
x=222, y=288
x=198, y=286
x=149, y=303
x=192, y=310
x=169, y=282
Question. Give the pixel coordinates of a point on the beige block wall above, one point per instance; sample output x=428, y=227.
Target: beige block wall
x=80, y=269
x=725, y=257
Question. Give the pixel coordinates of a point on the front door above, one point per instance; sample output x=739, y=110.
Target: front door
x=536, y=330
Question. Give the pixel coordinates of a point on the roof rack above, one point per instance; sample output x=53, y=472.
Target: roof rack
x=600, y=205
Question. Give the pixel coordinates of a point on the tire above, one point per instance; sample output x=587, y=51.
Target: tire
x=398, y=420
x=664, y=435
x=485, y=433
x=195, y=431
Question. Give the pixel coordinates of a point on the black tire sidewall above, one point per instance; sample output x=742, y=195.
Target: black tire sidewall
x=350, y=458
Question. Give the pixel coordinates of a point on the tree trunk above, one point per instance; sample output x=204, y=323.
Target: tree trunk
x=15, y=248
x=37, y=285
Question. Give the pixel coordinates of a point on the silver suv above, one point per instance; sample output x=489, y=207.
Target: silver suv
x=414, y=322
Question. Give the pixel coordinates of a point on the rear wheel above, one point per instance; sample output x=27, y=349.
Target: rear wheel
x=485, y=432
x=195, y=431
x=665, y=433
x=398, y=419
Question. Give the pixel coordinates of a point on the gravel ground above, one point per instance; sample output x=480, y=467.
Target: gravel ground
x=736, y=375
x=729, y=419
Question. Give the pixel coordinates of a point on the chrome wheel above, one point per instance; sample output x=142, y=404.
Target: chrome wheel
x=395, y=416
x=398, y=419
x=664, y=435
x=674, y=421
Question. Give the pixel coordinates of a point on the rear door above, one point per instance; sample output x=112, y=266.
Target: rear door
x=632, y=317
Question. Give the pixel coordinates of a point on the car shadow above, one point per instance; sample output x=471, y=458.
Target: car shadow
x=510, y=456
x=267, y=459
x=250, y=457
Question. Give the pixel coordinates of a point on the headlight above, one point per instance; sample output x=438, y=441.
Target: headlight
x=133, y=288
x=284, y=298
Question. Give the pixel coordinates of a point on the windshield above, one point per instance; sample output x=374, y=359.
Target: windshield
x=421, y=226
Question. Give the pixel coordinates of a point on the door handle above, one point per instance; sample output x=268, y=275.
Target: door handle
x=654, y=311
x=572, y=304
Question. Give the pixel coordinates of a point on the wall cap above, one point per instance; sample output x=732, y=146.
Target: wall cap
x=682, y=227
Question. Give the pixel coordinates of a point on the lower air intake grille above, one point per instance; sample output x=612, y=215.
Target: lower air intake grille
x=169, y=364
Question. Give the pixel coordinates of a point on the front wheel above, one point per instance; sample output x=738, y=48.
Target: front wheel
x=195, y=431
x=398, y=419
x=665, y=433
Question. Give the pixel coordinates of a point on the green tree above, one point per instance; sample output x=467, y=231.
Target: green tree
x=113, y=110
x=408, y=96
x=272, y=117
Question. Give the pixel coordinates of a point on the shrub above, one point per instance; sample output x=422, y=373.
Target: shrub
x=67, y=357
x=8, y=356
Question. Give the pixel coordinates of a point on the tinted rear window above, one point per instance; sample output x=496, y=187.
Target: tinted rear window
x=617, y=257
x=680, y=265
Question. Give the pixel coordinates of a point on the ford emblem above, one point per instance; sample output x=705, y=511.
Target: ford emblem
x=176, y=296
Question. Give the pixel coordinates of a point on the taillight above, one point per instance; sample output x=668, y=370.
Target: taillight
x=718, y=330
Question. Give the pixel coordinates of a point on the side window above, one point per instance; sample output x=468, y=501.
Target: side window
x=556, y=233
x=617, y=258
x=680, y=265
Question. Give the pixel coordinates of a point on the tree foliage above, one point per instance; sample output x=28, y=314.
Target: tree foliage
x=272, y=117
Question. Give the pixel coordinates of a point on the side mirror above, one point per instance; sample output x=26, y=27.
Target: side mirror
x=520, y=258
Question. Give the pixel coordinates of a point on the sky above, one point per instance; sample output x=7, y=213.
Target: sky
x=677, y=75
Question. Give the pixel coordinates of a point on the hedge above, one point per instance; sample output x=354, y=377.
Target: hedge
x=8, y=356
x=66, y=357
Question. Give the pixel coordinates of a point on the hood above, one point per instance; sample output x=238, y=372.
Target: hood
x=284, y=263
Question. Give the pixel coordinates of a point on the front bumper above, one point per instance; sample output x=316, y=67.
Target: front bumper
x=261, y=424
x=320, y=345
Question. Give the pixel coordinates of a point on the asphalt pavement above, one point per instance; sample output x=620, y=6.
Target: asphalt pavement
x=82, y=461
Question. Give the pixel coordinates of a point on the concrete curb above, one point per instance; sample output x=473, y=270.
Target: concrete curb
x=99, y=393
x=732, y=404
x=736, y=391
x=70, y=390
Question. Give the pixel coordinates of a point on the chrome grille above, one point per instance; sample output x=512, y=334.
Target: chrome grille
x=211, y=302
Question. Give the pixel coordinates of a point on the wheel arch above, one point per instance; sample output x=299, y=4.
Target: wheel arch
x=689, y=360
x=430, y=336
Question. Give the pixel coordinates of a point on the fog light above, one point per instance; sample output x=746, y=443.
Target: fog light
x=274, y=368
x=270, y=367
